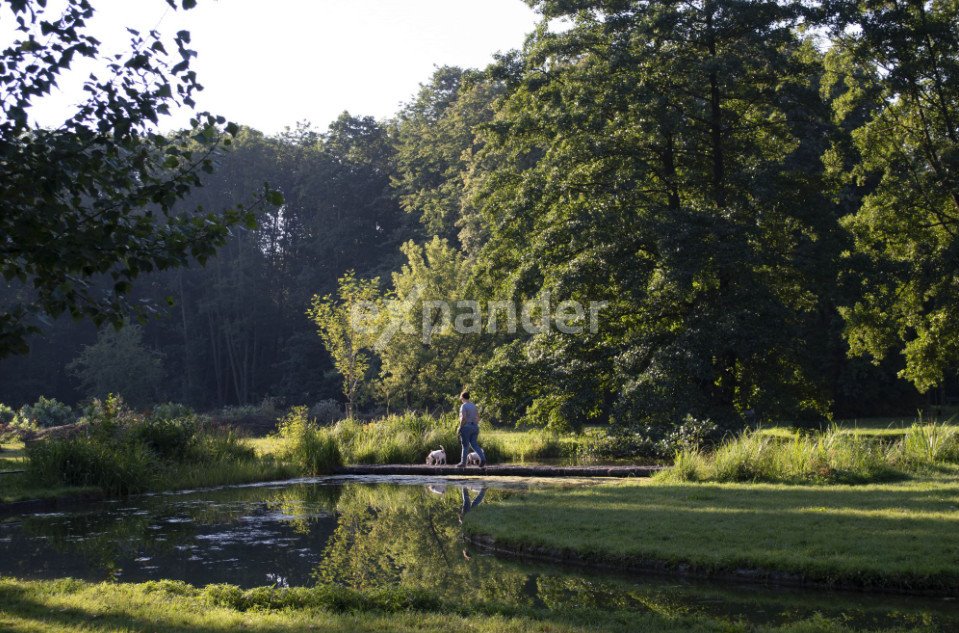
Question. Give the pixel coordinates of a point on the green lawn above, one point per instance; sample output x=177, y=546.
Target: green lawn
x=903, y=535
x=68, y=605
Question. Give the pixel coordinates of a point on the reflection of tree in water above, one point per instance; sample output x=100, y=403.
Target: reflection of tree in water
x=302, y=505
x=100, y=539
x=409, y=536
x=572, y=591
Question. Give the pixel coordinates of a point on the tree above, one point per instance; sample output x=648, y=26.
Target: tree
x=894, y=68
x=435, y=138
x=120, y=363
x=88, y=207
x=349, y=329
x=663, y=157
x=423, y=359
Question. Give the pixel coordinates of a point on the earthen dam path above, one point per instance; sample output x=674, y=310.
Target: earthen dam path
x=504, y=470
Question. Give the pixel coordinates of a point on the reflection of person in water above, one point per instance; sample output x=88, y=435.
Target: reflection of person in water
x=469, y=505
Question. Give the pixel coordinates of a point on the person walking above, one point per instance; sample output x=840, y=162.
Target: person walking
x=469, y=430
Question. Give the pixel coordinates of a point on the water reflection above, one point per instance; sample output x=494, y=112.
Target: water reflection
x=384, y=534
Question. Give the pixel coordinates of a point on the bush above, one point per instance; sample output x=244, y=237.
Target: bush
x=267, y=409
x=45, y=413
x=167, y=438
x=7, y=414
x=312, y=449
x=327, y=411
x=597, y=447
x=172, y=411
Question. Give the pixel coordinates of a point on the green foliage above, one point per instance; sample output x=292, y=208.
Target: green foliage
x=114, y=467
x=172, y=411
x=310, y=448
x=435, y=138
x=349, y=329
x=7, y=414
x=925, y=445
x=45, y=413
x=326, y=597
x=167, y=438
x=105, y=210
x=404, y=439
x=327, y=411
x=690, y=201
x=424, y=361
x=119, y=363
x=893, y=71
x=267, y=409
x=121, y=452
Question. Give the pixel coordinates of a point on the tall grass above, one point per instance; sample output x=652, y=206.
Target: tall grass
x=404, y=439
x=122, y=452
x=830, y=456
x=312, y=449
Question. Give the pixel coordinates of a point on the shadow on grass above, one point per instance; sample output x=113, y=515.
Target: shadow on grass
x=870, y=537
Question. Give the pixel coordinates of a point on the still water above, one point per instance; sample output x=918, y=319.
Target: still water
x=370, y=532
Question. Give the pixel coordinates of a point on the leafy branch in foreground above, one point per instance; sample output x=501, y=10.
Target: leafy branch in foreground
x=89, y=206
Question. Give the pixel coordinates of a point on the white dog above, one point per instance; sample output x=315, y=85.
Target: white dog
x=473, y=459
x=437, y=457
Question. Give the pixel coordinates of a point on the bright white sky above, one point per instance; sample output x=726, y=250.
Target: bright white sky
x=271, y=63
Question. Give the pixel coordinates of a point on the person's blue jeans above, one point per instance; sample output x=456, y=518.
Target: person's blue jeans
x=469, y=440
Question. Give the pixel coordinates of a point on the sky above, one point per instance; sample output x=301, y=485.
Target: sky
x=271, y=63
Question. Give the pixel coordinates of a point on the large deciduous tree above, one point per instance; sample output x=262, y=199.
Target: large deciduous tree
x=664, y=157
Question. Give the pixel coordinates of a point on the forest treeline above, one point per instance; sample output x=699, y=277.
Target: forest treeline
x=764, y=193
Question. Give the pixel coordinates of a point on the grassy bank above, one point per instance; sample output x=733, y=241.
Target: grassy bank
x=68, y=605
x=115, y=451
x=902, y=536
x=836, y=455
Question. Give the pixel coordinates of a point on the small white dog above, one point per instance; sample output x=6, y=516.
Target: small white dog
x=437, y=457
x=473, y=459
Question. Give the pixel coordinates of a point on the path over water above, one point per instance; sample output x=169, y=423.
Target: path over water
x=504, y=470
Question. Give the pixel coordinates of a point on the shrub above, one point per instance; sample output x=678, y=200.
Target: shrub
x=167, y=438
x=47, y=412
x=172, y=411
x=7, y=414
x=327, y=411
x=615, y=446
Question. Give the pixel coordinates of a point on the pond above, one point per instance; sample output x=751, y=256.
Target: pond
x=369, y=532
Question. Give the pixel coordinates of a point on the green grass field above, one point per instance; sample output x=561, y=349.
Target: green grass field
x=903, y=535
